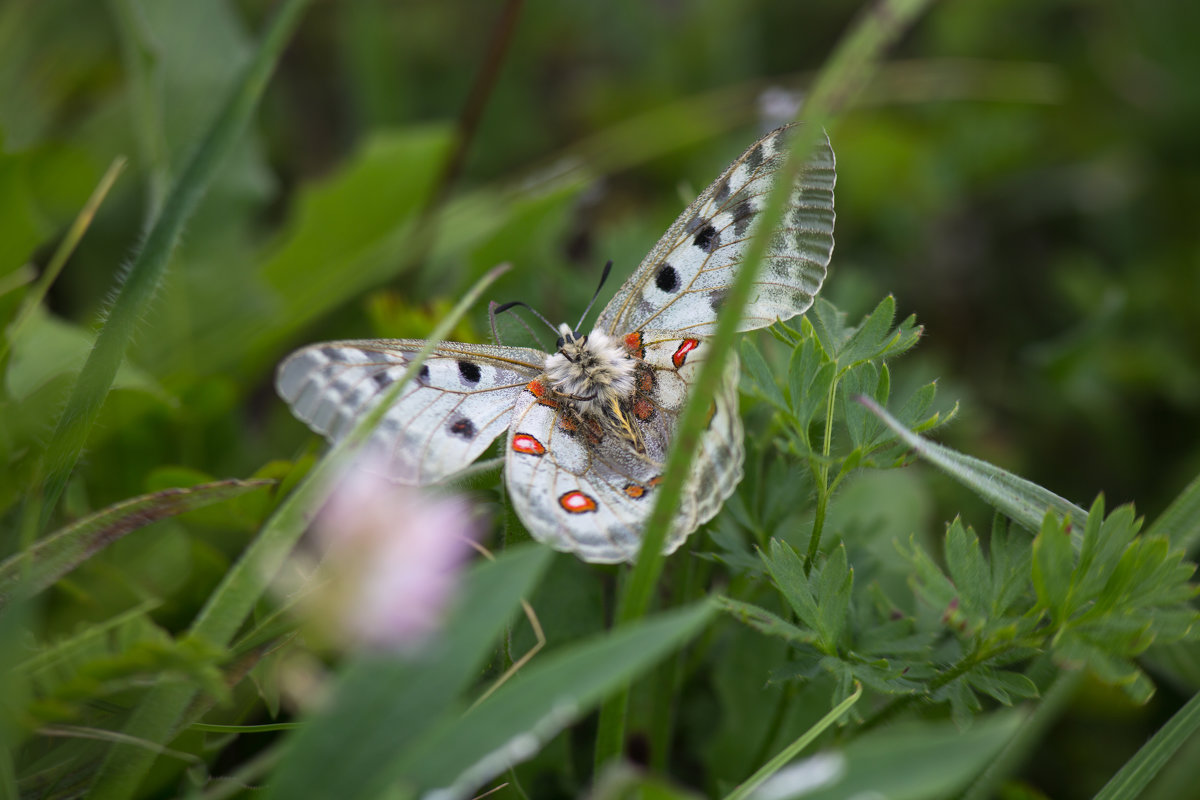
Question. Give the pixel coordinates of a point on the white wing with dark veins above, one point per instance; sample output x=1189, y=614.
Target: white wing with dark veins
x=459, y=402
x=683, y=281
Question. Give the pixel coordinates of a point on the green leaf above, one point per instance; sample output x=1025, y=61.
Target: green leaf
x=382, y=704
x=809, y=377
x=787, y=570
x=64, y=550
x=554, y=691
x=868, y=340
x=930, y=583
x=1011, y=558
x=1053, y=562
x=1022, y=501
x=902, y=762
x=833, y=600
x=762, y=376
x=829, y=325
x=765, y=622
x=969, y=570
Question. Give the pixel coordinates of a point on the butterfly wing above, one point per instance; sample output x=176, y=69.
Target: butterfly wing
x=582, y=490
x=458, y=403
x=681, y=284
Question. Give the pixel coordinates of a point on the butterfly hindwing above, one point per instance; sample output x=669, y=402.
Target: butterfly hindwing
x=581, y=489
x=681, y=284
x=460, y=400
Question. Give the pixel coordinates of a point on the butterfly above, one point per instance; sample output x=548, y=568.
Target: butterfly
x=589, y=425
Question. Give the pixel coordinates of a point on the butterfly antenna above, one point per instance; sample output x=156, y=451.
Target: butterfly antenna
x=603, y=278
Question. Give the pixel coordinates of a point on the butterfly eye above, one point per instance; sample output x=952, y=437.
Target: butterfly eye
x=559, y=344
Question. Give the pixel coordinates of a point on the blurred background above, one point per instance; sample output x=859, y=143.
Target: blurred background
x=1023, y=175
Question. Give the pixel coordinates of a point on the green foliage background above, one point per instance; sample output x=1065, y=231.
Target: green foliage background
x=1022, y=175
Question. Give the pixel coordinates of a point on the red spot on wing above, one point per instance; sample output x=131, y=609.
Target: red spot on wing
x=538, y=390
x=656, y=480
x=524, y=443
x=576, y=502
x=643, y=409
x=635, y=490
x=633, y=343
x=595, y=432
x=687, y=346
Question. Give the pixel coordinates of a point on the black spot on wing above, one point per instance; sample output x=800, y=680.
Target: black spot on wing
x=707, y=239
x=462, y=427
x=755, y=158
x=469, y=372
x=423, y=373
x=666, y=279
x=722, y=193
x=743, y=214
x=382, y=379
x=717, y=299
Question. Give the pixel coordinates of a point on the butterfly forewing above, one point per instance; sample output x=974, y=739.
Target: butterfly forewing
x=460, y=400
x=683, y=281
x=585, y=490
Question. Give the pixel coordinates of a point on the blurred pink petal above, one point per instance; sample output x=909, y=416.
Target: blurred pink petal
x=393, y=554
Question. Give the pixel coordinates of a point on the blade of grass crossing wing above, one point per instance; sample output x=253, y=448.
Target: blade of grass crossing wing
x=838, y=81
x=161, y=712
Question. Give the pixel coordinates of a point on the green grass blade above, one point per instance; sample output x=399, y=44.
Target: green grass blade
x=1132, y=778
x=795, y=748
x=1181, y=521
x=160, y=713
x=1022, y=501
x=142, y=279
x=551, y=693
x=54, y=556
x=836, y=85
x=382, y=704
x=64, y=250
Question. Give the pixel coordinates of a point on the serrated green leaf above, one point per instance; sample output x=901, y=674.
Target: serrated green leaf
x=1011, y=557
x=787, y=570
x=931, y=584
x=833, y=598
x=762, y=376
x=765, y=622
x=870, y=338
x=809, y=375
x=1053, y=561
x=968, y=569
x=830, y=327
x=862, y=426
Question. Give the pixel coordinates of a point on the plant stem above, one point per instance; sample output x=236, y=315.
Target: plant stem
x=824, y=490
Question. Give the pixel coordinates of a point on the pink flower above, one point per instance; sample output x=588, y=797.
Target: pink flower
x=392, y=555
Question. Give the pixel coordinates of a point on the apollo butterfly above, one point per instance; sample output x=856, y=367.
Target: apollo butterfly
x=589, y=425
